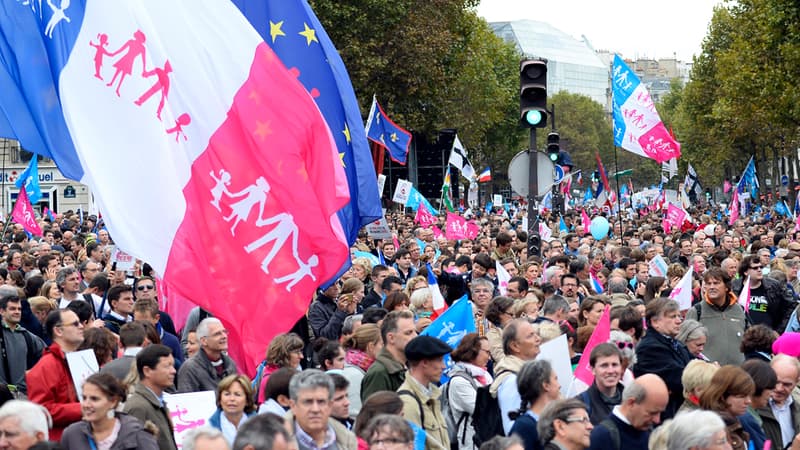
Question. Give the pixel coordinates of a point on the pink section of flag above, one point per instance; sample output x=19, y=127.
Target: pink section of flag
x=675, y=215
x=424, y=217
x=437, y=232
x=586, y=221
x=253, y=245
x=744, y=296
x=395, y=242
x=683, y=291
x=23, y=214
x=734, y=207
x=600, y=334
x=472, y=229
x=502, y=278
x=658, y=144
x=456, y=227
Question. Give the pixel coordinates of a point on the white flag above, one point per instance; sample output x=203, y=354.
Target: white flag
x=670, y=167
x=744, y=296
x=459, y=160
x=502, y=278
x=682, y=293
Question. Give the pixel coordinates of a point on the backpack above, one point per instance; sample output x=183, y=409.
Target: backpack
x=490, y=423
x=455, y=425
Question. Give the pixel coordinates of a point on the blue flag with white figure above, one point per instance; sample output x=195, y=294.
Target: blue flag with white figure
x=30, y=178
x=455, y=323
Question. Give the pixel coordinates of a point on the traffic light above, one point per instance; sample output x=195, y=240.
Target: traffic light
x=533, y=93
x=553, y=147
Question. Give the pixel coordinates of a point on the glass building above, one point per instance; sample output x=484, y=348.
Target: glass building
x=572, y=65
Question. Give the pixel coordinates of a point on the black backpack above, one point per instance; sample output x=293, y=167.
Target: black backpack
x=456, y=426
x=487, y=420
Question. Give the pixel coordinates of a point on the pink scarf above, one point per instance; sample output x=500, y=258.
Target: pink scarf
x=358, y=358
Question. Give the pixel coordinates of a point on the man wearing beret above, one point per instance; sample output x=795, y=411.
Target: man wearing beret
x=420, y=395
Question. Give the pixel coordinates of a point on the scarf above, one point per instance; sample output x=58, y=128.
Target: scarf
x=358, y=358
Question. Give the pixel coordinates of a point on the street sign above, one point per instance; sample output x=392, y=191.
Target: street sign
x=518, y=173
x=559, y=174
x=785, y=180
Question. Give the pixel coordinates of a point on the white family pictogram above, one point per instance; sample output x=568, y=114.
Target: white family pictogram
x=283, y=226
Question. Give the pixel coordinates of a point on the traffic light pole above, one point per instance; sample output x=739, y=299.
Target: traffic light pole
x=534, y=239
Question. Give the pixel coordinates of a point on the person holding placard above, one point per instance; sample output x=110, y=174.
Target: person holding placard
x=49, y=381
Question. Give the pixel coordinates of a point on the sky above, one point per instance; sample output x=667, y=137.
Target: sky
x=647, y=28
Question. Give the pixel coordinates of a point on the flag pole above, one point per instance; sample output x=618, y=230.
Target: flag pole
x=619, y=199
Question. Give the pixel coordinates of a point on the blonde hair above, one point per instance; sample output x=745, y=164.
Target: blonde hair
x=41, y=303
x=697, y=374
x=418, y=298
x=351, y=286
x=549, y=331
x=363, y=336
x=521, y=305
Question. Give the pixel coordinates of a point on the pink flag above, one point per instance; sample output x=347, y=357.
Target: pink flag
x=726, y=186
x=456, y=227
x=734, y=207
x=675, y=215
x=587, y=222
x=472, y=229
x=601, y=333
x=23, y=214
x=683, y=291
x=744, y=296
x=503, y=278
x=666, y=225
x=395, y=242
x=437, y=232
x=424, y=217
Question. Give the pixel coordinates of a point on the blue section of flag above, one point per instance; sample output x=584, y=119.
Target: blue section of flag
x=749, y=178
x=415, y=198
x=489, y=208
x=455, y=323
x=34, y=47
x=49, y=214
x=596, y=284
x=562, y=226
x=372, y=258
x=324, y=75
x=381, y=130
x=30, y=178
x=624, y=82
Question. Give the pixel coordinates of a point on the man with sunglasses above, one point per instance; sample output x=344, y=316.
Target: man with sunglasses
x=49, y=381
x=771, y=302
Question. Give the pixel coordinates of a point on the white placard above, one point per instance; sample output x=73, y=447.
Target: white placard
x=81, y=364
x=381, y=184
x=497, y=200
x=124, y=261
x=402, y=191
x=556, y=351
x=379, y=229
x=189, y=411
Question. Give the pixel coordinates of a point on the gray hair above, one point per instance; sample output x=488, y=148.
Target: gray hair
x=694, y=429
x=8, y=291
x=634, y=391
x=531, y=380
x=203, y=326
x=481, y=282
x=502, y=442
x=310, y=379
x=628, y=353
x=510, y=333
x=33, y=418
x=617, y=285
x=557, y=410
x=691, y=330
x=555, y=304
x=62, y=275
x=550, y=272
x=393, y=422
x=349, y=323
x=260, y=431
x=192, y=436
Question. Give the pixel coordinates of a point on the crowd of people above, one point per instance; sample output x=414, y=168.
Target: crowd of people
x=355, y=372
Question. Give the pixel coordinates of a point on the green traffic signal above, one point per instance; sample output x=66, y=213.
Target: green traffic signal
x=533, y=117
x=553, y=157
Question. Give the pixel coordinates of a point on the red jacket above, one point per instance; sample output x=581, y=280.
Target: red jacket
x=50, y=385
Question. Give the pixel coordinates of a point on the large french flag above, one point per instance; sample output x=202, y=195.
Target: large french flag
x=206, y=155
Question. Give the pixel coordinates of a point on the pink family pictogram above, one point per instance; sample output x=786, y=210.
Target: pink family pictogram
x=134, y=48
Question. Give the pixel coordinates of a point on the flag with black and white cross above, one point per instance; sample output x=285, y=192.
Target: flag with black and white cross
x=459, y=160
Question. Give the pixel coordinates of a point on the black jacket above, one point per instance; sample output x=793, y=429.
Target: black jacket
x=665, y=357
x=598, y=409
x=326, y=318
x=780, y=302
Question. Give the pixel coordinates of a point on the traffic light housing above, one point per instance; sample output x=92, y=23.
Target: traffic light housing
x=533, y=93
x=553, y=146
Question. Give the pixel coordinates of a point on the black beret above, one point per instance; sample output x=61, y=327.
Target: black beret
x=426, y=347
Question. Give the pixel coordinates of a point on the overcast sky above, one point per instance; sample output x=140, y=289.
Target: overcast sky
x=644, y=28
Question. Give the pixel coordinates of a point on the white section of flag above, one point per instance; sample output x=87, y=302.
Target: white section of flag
x=460, y=160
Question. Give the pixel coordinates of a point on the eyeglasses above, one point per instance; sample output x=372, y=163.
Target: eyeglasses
x=623, y=345
x=756, y=267
x=75, y=324
x=387, y=441
x=584, y=420
x=145, y=287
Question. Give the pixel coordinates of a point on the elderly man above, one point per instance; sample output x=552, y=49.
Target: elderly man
x=204, y=370
x=263, y=432
x=23, y=424
x=781, y=417
x=204, y=438
x=311, y=393
x=660, y=353
x=643, y=402
x=520, y=344
x=565, y=424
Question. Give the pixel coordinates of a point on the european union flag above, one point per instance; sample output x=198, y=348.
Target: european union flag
x=455, y=323
x=293, y=31
x=384, y=132
x=30, y=178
